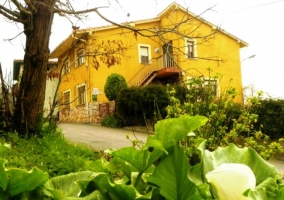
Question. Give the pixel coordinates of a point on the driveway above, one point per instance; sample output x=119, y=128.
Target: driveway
x=101, y=138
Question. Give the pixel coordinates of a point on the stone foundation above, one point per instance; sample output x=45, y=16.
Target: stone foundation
x=93, y=112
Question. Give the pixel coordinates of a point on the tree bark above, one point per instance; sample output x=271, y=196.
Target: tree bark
x=30, y=99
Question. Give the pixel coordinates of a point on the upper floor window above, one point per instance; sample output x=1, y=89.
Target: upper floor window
x=81, y=56
x=66, y=99
x=144, y=53
x=190, y=48
x=81, y=91
x=66, y=66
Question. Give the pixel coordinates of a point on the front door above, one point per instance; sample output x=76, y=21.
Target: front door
x=168, y=54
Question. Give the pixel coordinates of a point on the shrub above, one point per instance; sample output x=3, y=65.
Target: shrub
x=270, y=117
x=136, y=105
x=114, y=84
x=112, y=121
x=225, y=123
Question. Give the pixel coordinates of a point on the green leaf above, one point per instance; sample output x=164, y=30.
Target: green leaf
x=94, y=166
x=93, y=196
x=66, y=186
x=170, y=131
x=248, y=156
x=5, y=148
x=3, y=175
x=171, y=176
x=118, y=191
x=117, y=164
x=267, y=190
x=141, y=159
x=20, y=180
x=262, y=170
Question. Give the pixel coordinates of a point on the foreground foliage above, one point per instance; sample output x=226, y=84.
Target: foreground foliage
x=51, y=153
x=227, y=122
x=160, y=170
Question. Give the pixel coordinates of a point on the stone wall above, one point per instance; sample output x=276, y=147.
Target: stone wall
x=93, y=112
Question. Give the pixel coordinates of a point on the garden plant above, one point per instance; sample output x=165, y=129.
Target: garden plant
x=160, y=170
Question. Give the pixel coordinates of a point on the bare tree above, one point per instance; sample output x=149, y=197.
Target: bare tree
x=37, y=16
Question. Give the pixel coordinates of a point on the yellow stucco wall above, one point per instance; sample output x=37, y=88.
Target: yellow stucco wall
x=219, y=47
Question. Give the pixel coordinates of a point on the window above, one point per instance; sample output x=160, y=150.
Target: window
x=190, y=48
x=66, y=99
x=211, y=86
x=144, y=54
x=203, y=87
x=81, y=56
x=66, y=66
x=81, y=91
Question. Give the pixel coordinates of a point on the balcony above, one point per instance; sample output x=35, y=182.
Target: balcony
x=161, y=67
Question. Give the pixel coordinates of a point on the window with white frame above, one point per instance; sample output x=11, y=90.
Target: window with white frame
x=190, y=48
x=211, y=86
x=81, y=56
x=203, y=86
x=66, y=66
x=66, y=99
x=81, y=94
x=144, y=53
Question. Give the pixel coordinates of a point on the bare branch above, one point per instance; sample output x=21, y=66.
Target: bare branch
x=10, y=39
x=72, y=12
x=21, y=8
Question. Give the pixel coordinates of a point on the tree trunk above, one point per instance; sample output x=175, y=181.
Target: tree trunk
x=30, y=99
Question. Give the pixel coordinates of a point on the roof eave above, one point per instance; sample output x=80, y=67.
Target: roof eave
x=175, y=6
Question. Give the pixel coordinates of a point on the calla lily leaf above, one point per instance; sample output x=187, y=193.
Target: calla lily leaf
x=66, y=186
x=170, y=131
x=232, y=154
x=267, y=190
x=20, y=180
x=171, y=176
x=141, y=159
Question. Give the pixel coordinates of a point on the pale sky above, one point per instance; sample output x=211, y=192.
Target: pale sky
x=257, y=22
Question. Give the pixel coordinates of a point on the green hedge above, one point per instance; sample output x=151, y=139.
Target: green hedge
x=270, y=117
x=137, y=104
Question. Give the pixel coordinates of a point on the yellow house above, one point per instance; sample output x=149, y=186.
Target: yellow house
x=173, y=47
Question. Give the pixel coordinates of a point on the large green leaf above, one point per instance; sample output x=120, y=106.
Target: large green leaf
x=171, y=176
x=66, y=185
x=93, y=196
x=170, y=131
x=141, y=159
x=3, y=175
x=118, y=191
x=267, y=190
x=263, y=171
x=248, y=156
x=20, y=180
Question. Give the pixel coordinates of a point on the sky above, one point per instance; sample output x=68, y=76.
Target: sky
x=257, y=22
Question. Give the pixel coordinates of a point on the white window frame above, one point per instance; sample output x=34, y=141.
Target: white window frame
x=65, y=105
x=81, y=100
x=80, y=54
x=194, y=48
x=140, y=53
x=66, y=66
x=206, y=80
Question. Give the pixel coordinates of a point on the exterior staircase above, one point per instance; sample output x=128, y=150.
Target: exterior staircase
x=150, y=71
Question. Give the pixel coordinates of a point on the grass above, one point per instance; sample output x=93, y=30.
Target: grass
x=51, y=153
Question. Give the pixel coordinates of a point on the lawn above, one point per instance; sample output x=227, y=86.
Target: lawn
x=50, y=152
